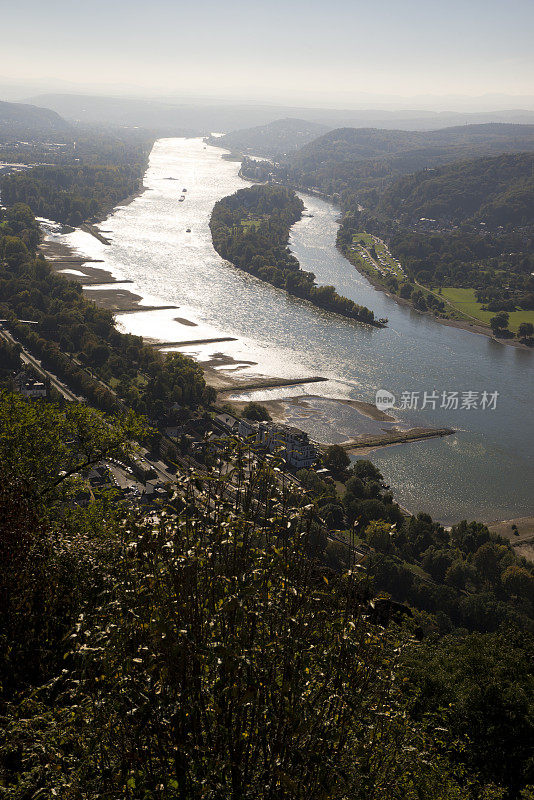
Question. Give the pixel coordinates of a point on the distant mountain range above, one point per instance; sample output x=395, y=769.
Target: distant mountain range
x=20, y=121
x=173, y=117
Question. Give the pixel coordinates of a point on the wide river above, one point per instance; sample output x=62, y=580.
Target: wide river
x=485, y=471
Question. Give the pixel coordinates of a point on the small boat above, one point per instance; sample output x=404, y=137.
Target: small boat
x=182, y=198
x=188, y=230
x=184, y=190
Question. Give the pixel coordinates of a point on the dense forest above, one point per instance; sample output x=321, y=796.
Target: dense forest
x=363, y=159
x=496, y=191
x=78, y=178
x=469, y=225
x=251, y=229
x=87, y=178
x=71, y=194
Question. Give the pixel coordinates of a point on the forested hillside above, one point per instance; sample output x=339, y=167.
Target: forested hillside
x=20, y=121
x=362, y=160
x=496, y=191
x=455, y=206
x=275, y=139
x=81, y=180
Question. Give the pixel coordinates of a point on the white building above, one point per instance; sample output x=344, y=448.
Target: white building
x=29, y=386
x=292, y=444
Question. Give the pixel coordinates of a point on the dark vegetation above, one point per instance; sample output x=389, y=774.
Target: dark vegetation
x=219, y=655
x=251, y=229
x=363, y=161
x=496, y=191
x=255, y=411
x=465, y=578
x=202, y=656
x=71, y=194
x=469, y=225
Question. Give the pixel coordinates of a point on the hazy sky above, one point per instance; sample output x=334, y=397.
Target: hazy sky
x=283, y=50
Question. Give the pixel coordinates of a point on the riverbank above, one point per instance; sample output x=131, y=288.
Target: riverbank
x=67, y=262
x=219, y=371
x=470, y=327
x=281, y=411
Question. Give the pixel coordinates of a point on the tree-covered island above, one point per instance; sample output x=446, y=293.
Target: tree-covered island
x=251, y=230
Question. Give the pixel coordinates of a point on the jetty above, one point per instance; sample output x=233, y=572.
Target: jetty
x=269, y=383
x=394, y=436
x=159, y=345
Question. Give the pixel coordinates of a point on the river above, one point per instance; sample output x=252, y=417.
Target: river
x=485, y=471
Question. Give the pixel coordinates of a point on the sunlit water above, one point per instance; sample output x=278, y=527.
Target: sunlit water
x=484, y=471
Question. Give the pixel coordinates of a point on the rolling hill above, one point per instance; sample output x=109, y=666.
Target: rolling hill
x=363, y=161
x=21, y=121
x=496, y=191
x=276, y=139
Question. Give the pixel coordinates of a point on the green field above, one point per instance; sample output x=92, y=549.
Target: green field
x=464, y=300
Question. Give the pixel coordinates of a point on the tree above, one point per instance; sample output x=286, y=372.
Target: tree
x=525, y=330
x=336, y=460
x=333, y=516
x=458, y=574
x=47, y=445
x=255, y=411
x=378, y=535
x=487, y=561
x=354, y=488
x=436, y=562
x=499, y=322
x=482, y=684
x=365, y=470
x=519, y=581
